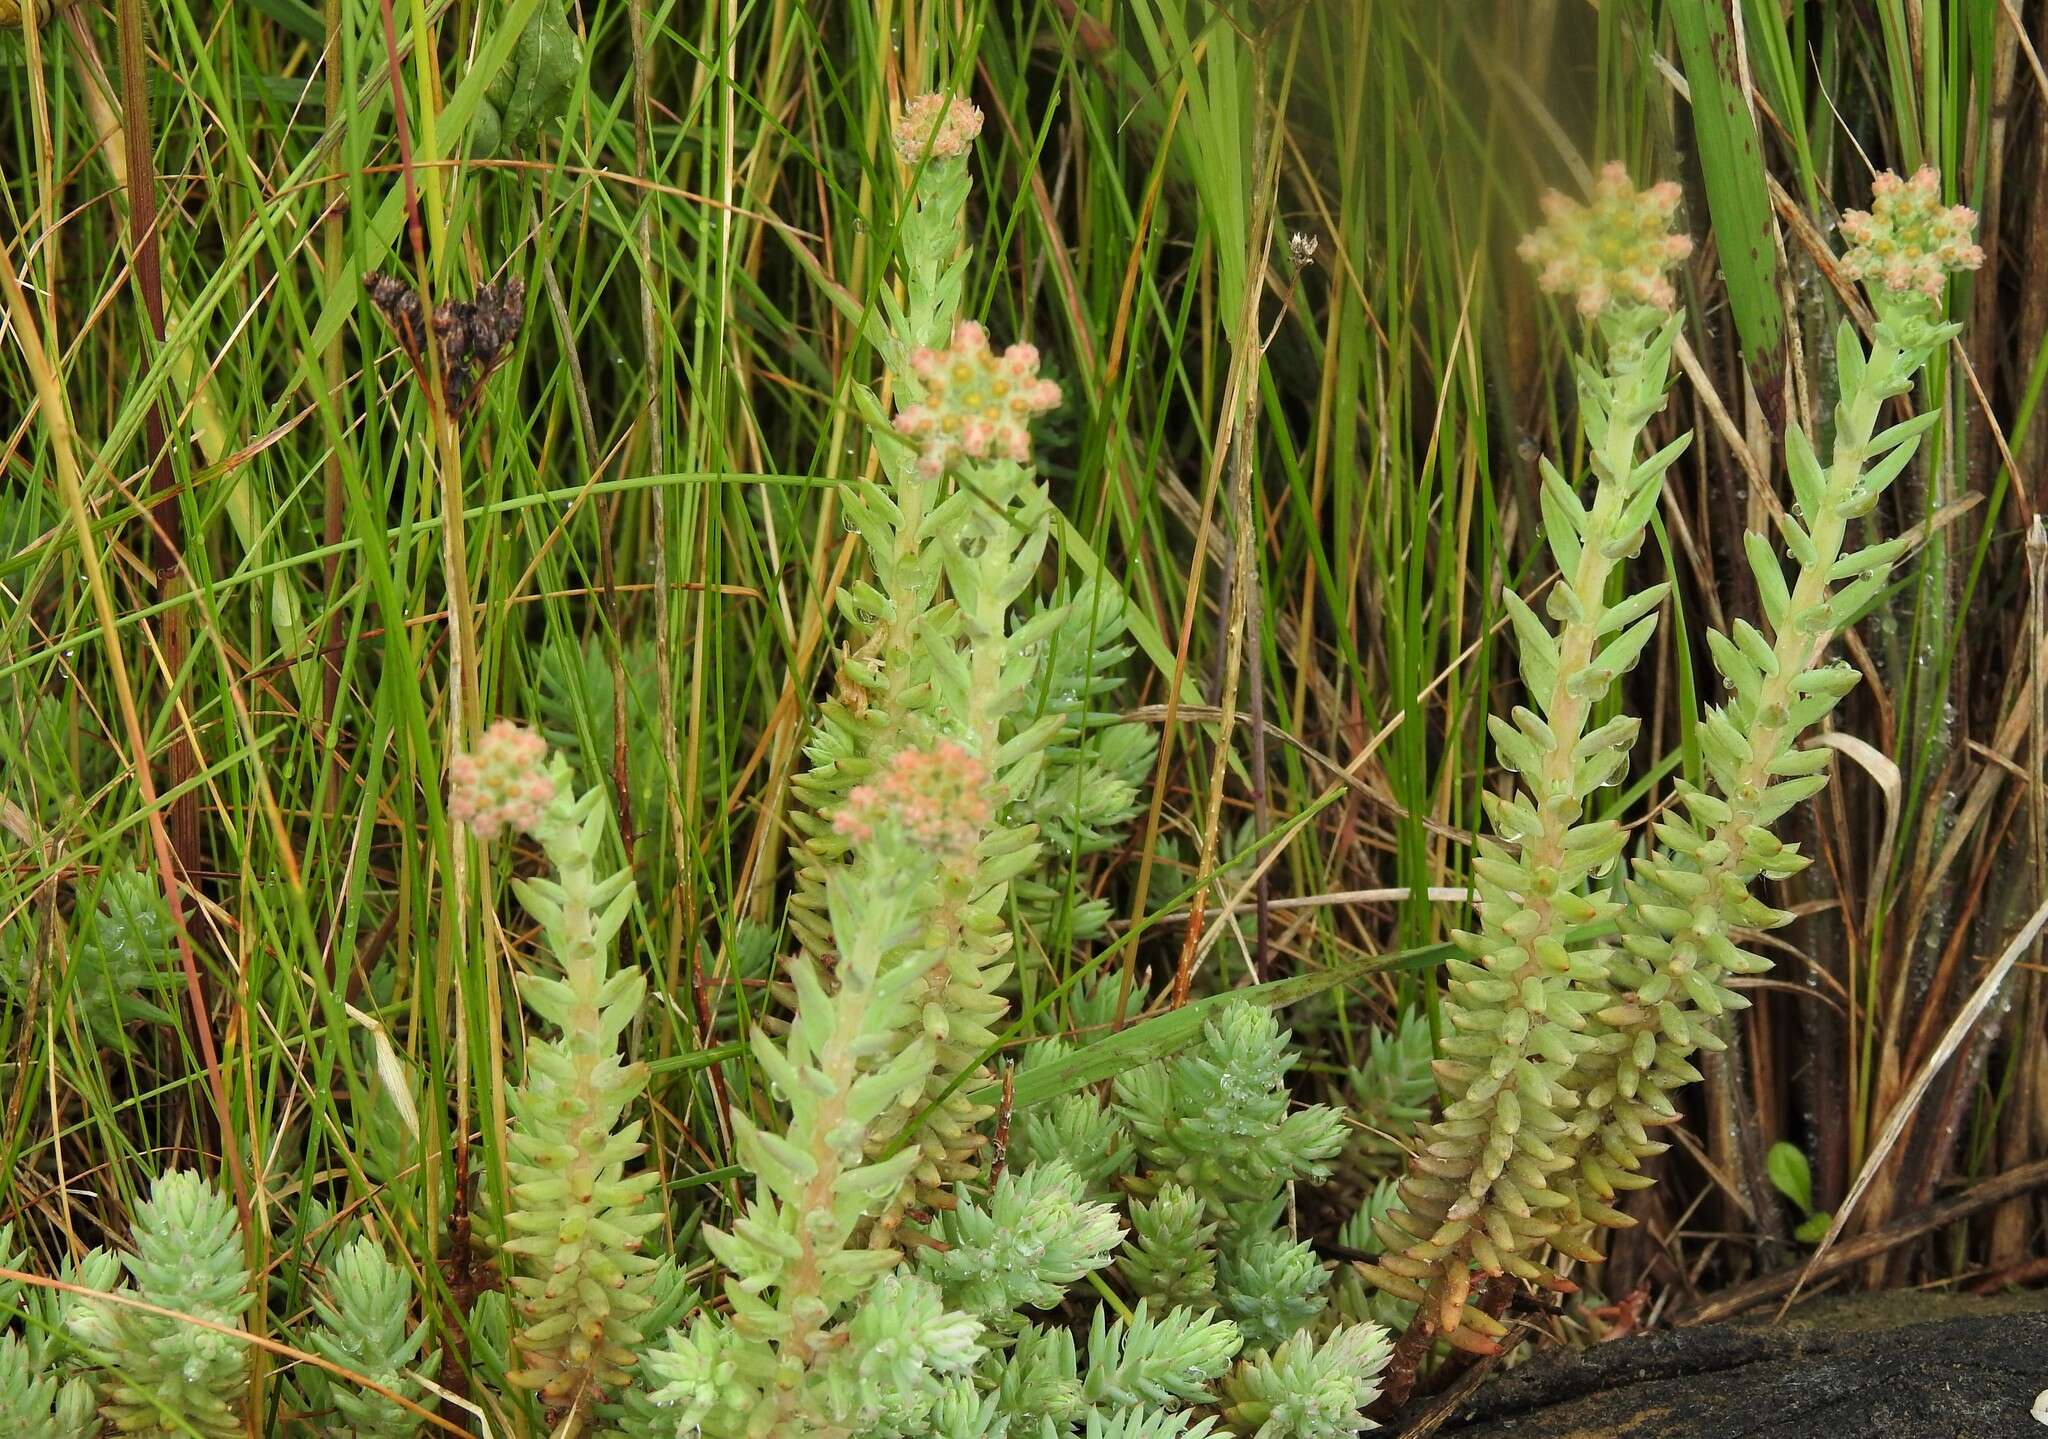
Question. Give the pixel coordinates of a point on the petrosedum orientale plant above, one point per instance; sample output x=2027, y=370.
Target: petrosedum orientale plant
x=575, y=1233
x=955, y=529
x=928, y=770
x=1562, y=1052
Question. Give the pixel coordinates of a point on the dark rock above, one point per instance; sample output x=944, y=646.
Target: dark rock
x=1973, y=1377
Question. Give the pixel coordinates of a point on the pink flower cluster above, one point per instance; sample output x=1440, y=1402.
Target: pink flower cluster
x=941, y=126
x=935, y=798
x=1908, y=241
x=1613, y=252
x=503, y=784
x=977, y=404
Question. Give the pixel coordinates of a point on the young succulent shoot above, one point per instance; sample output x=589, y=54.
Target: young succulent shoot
x=1694, y=893
x=1216, y=1118
x=1076, y=1129
x=1038, y=1234
x=28, y=1393
x=1482, y=1193
x=364, y=1313
x=1308, y=1388
x=1271, y=1286
x=166, y=1376
x=574, y=1235
x=1094, y=767
x=1170, y=1257
x=1391, y=1094
x=1153, y=1360
x=39, y=1399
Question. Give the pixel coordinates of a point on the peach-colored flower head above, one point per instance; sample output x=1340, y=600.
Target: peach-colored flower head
x=977, y=404
x=503, y=783
x=941, y=126
x=936, y=798
x=1613, y=252
x=1908, y=242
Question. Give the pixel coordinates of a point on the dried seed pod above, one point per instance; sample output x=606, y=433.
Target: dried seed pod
x=471, y=338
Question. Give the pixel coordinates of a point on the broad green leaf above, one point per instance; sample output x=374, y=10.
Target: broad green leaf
x=1786, y=1164
x=1731, y=162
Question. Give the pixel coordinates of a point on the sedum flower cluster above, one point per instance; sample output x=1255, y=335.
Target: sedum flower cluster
x=938, y=797
x=977, y=405
x=1562, y=1054
x=936, y=126
x=1611, y=255
x=504, y=784
x=1908, y=241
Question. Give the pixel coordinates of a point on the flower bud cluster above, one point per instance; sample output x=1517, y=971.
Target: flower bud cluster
x=503, y=783
x=1908, y=242
x=977, y=404
x=941, y=126
x=1614, y=252
x=936, y=798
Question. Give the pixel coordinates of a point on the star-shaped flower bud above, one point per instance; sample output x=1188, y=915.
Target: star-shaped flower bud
x=935, y=799
x=977, y=405
x=1908, y=242
x=940, y=126
x=1611, y=254
x=503, y=783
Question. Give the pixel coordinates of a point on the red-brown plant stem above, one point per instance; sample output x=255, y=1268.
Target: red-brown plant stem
x=166, y=524
x=1397, y=1385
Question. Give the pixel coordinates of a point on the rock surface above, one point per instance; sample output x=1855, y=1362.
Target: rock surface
x=1972, y=1376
